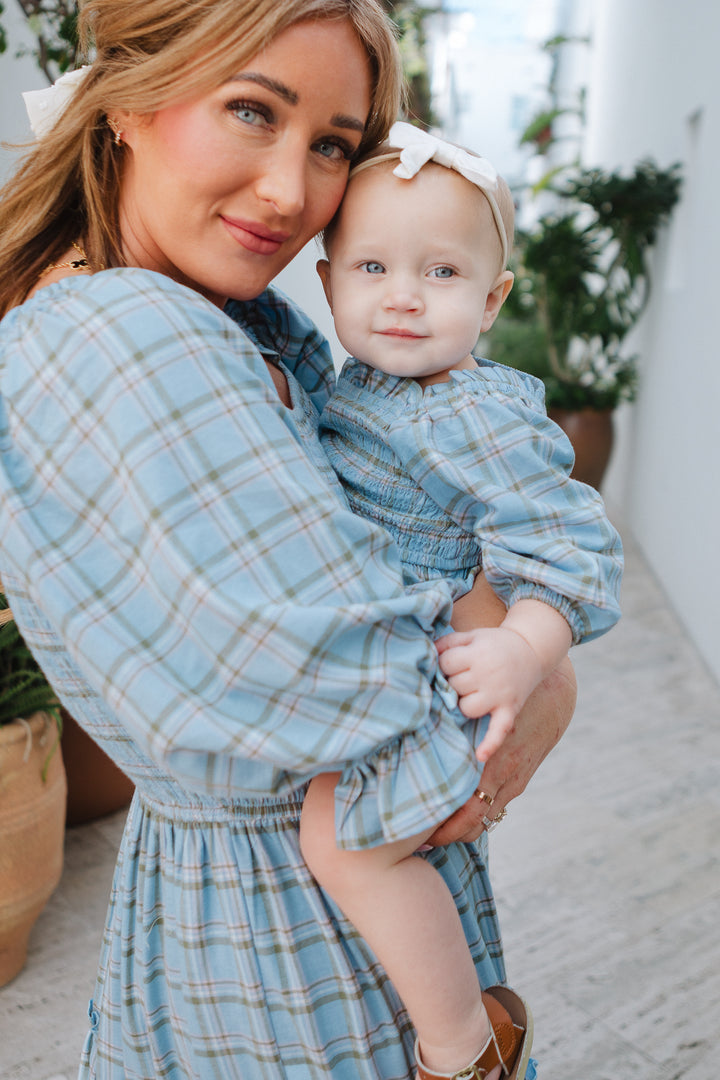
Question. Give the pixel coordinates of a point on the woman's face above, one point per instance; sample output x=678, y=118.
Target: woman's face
x=221, y=192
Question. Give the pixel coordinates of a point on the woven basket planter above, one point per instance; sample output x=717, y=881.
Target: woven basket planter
x=32, y=830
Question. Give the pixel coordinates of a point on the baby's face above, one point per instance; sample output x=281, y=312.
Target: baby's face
x=412, y=264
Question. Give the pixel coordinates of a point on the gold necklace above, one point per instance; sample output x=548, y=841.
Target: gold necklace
x=83, y=263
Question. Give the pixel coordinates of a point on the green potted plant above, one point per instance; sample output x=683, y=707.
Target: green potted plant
x=32, y=795
x=582, y=283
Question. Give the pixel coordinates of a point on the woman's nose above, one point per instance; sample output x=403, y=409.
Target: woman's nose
x=282, y=182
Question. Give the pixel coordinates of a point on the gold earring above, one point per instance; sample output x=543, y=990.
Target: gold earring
x=116, y=129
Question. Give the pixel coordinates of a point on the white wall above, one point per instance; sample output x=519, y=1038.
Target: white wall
x=655, y=90
x=490, y=74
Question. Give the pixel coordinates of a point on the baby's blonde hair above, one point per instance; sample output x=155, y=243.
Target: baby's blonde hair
x=148, y=54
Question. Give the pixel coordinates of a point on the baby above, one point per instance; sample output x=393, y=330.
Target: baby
x=457, y=459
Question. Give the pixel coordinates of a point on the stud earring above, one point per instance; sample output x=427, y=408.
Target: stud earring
x=117, y=131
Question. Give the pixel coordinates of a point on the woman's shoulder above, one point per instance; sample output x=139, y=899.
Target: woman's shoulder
x=129, y=327
x=135, y=309
x=121, y=285
x=129, y=309
x=127, y=303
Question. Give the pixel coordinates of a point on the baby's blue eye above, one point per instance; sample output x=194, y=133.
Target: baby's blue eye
x=373, y=268
x=442, y=272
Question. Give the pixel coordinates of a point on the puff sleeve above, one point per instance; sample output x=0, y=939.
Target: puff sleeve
x=488, y=455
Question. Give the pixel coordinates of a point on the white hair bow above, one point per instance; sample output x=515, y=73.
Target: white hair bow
x=45, y=107
x=418, y=147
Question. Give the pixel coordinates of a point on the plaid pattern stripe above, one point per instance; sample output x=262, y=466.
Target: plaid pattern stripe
x=471, y=473
x=181, y=560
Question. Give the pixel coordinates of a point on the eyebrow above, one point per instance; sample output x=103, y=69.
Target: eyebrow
x=274, y=85
x=341, y=120
x=352, y=122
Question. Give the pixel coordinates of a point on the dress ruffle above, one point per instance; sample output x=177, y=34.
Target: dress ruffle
x=412, y=784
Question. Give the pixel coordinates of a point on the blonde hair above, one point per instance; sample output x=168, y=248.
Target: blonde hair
x=387, y=155
x=148, y=54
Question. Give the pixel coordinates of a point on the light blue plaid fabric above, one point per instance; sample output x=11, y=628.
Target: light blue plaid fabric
x=471, y=473
x=180, y=558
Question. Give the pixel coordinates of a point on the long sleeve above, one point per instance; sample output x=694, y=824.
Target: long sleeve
x=501, y=469
x=203, y=571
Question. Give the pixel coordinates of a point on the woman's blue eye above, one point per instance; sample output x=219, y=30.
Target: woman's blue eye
x=334, y=151
x=248, y=114
x=373, y=268
x=442, y=272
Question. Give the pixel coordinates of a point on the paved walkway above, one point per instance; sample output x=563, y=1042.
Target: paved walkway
x=607, y=874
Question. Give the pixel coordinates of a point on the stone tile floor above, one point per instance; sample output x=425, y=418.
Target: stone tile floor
x=607, y=873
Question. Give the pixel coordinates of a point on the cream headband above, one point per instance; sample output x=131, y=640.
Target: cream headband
x=416, y=148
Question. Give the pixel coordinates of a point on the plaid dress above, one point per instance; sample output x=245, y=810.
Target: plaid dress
x=181, y=559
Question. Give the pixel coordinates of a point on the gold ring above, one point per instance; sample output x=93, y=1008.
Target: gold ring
x=485, y=797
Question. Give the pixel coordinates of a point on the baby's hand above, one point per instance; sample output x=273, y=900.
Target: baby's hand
x=492, y=671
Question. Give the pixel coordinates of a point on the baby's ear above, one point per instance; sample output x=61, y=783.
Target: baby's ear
x=323, y=268
x=496, y=298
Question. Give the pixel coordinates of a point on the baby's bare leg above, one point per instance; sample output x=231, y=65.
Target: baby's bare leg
x=404, y=910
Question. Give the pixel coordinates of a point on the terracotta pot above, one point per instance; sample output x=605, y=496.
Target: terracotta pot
x=32, y=830
x=96, y=786
x=591, y=433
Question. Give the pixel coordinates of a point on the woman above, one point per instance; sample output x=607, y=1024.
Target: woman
x=179, y=556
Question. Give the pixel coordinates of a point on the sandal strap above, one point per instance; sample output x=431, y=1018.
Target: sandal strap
x=500, y=1049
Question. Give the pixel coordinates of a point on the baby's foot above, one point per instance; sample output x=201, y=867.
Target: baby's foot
x=425, y=1075
x=446, y=1062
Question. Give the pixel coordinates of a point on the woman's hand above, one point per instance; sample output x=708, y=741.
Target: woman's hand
x=538, y=727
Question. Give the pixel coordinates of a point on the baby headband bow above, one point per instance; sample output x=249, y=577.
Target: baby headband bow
x=418, y=147
x=44, y=107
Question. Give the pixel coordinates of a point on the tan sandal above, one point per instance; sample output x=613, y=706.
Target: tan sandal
x=509, y=1044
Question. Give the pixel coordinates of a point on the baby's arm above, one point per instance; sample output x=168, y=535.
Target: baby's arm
x=495, y=670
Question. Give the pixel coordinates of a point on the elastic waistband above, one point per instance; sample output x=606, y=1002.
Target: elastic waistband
x=247, y=811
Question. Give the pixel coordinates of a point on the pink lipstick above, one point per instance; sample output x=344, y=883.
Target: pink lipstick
x=254, y=236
